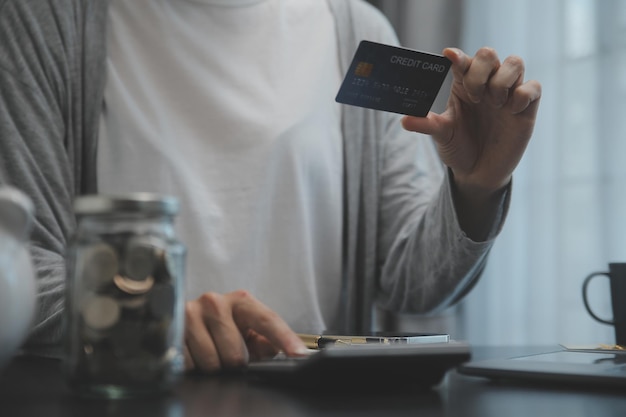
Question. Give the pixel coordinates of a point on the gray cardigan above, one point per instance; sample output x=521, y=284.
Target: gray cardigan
x=403, y=247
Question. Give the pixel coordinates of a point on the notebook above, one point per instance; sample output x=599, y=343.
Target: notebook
x=583, y=367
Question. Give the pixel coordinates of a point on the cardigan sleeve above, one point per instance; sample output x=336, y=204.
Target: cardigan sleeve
x=426, y=260
x=43, y=145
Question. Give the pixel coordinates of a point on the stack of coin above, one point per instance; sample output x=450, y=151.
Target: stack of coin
x=128, y=296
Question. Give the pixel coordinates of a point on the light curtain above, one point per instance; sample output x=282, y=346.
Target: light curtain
x=568, y=211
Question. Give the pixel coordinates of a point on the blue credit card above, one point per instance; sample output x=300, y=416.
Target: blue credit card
x=393, y=79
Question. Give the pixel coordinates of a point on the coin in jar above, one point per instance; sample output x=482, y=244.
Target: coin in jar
x=162, y=300
x=126, y=338
x=156, y=337
x=171, y=265
x=133, y=286
x=142, y=256
x=97, y=265
x=100, y=312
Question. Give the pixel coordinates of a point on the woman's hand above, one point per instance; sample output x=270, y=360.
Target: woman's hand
x=488, y=121
x=229, y=330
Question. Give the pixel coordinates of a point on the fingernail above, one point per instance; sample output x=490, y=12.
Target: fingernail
x=455, y=51
x=301, y=351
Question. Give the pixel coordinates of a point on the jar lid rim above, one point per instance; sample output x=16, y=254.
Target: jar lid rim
x=146, y=203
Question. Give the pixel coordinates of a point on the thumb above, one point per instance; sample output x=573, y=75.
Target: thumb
x=433, y=124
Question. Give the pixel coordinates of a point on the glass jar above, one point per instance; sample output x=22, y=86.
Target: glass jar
x=124, y=297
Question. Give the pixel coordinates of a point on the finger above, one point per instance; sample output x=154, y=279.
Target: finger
x=189, y=363
x=526, y=98
x=476, y=76
x=198, y=342
x=249, y=313
x=508, y=76
x=259, y=347
x=227, y=337
x=460, y=62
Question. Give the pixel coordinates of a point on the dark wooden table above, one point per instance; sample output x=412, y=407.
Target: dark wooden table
x=32, y=387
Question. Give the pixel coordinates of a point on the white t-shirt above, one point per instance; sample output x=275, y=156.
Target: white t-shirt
x=229, y=106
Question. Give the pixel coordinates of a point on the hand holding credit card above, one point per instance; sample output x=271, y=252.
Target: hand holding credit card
x=393, y=79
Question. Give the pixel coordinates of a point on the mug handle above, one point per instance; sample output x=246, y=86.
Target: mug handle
x=587, y=306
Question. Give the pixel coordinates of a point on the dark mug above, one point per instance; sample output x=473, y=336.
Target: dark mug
x=617, y=278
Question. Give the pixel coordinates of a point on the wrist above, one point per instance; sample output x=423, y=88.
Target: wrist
x=479, y=191
x=477, y=206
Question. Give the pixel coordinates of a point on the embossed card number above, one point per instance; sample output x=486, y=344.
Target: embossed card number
x=393, y=79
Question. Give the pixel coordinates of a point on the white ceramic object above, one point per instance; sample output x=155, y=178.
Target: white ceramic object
x=18, y=291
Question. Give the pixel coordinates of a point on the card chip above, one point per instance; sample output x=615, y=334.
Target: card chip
x=363, y=69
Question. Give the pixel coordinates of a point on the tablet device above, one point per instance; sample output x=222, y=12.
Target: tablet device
x=569, y=367
x=368, y=365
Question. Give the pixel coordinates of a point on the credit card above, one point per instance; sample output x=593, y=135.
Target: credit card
x=393, y=79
